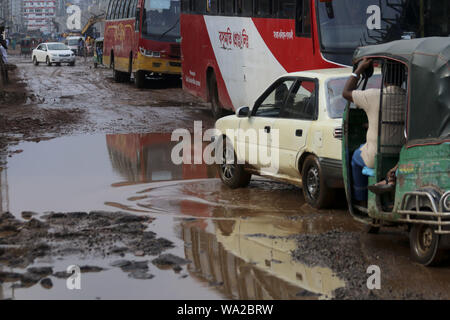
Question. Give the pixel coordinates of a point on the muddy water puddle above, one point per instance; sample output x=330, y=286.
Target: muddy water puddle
x=237, y=243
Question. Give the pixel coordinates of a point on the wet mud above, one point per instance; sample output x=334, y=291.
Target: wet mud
x=86, y=179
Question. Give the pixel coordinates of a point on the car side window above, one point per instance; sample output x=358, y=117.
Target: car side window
x=301, y=103
x=39, y=47
x=273, y=102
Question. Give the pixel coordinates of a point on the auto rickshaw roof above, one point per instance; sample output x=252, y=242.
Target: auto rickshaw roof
x=429, y=84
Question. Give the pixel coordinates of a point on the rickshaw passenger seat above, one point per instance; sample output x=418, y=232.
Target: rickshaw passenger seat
x=368, y=172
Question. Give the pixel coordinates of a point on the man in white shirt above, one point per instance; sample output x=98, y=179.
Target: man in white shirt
x=369, y=101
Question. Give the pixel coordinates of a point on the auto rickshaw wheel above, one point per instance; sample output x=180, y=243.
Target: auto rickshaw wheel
x=315, y=191
x=424, y=245
x=232, y=174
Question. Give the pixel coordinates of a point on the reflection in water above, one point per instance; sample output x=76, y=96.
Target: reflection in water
x=4, y=192
x=250, y=259
x=141, y=158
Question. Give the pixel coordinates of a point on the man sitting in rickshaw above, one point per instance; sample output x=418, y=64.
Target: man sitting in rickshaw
x=369, y=100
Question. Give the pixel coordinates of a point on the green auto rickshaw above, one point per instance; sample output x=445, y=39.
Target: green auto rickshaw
x=413, y=138
x=98, y=52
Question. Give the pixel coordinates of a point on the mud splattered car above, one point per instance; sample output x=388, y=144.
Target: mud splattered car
x=298, y=120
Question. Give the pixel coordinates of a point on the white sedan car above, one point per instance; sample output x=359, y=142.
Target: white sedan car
x=293, y=133
x=53, y=53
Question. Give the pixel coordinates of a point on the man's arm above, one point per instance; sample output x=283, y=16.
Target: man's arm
x=352, y=81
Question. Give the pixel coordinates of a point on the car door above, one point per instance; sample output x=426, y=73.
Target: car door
x=37, y=52
x=254, y=139
x=41, y=53
x=44, y=53
x=294, y=123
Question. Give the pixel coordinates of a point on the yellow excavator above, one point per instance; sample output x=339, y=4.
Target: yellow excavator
x=92, y=20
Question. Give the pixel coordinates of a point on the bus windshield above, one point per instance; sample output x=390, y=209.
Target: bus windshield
x=347, y=24
x=161, y=20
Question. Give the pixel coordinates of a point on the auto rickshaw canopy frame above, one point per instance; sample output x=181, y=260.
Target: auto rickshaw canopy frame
x=428, y=119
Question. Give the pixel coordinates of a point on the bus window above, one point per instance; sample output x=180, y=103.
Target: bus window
x=245, y=8
x=303, y=19
x=122, y=9
x=126, y=10
x=263, y=8
x=185, y=5
x=138, y=19
x=285, y=9
x=226, y=7
x=132, y=11
x=212, y=6
x=117, y=8
x=160, y=20
x=199, y=6
x=350, y=23
x=108, y=13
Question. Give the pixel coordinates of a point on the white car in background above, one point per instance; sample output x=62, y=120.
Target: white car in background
x=305, y=109
x=53, y=53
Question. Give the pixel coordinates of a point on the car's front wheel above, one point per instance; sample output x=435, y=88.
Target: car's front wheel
x=232, y=174
x=316, y=192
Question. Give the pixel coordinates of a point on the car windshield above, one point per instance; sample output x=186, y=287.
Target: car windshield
x=57, y=46
x=335, y=101
x=73, y=42
x=347, y=24
x=161, y=20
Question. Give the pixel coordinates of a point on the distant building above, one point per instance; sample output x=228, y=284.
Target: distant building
x=4, y=11
x=39, y=15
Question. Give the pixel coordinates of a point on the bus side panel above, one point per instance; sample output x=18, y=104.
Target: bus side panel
x=197, y=56
x=119, y=41
x=294, y=53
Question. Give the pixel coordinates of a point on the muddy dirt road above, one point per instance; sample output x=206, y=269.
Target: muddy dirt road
x=86, y=180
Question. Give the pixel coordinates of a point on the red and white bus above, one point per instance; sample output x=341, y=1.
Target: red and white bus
x=233, y=49
x=142, y=37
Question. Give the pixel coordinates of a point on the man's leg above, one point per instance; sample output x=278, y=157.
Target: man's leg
x=360, y=181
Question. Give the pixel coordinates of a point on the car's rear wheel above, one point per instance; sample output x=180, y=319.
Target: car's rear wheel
x=72, y=64
x=35, y=62
x=47, y=61
x=316, y=192
x=232, y=174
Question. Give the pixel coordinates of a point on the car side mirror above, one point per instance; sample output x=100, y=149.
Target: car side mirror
x=243, y=112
